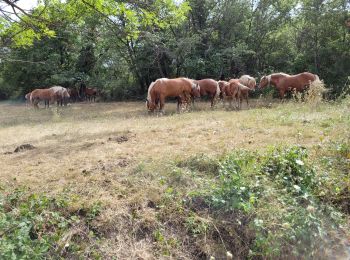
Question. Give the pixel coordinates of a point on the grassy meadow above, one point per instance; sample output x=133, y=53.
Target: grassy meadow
x=108, y=181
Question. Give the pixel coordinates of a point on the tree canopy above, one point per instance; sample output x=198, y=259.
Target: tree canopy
x=121, y=46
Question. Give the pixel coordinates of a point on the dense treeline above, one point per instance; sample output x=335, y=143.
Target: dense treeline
x=122, y=46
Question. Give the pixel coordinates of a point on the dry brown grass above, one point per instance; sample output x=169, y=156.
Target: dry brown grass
x=117, y=154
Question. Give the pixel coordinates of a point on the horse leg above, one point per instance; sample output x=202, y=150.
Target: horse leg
x=178, y=104
x=161, y=105
x=212, y=101
x=282, y=95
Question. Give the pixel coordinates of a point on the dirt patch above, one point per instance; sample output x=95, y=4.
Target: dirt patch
x=124, y=162
x=119, y=139
x=24, y=147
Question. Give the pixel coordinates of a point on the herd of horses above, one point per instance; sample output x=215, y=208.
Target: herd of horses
x=186, y=90
x=60, y=95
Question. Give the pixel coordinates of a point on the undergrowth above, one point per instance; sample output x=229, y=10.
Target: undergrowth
x=35, y=226
x=271, y=205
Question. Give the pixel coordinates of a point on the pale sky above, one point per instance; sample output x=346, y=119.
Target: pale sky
x=27, y=4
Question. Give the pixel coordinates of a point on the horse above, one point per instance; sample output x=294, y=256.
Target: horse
x=231, y=90
x=61, y=95
x=284, y=82
x=38, y=95
x=243, y=93
x=222, y=84
x=248, y=81
x=181, y=88
x=74, y=94
x=91, y=94
x=209, y=87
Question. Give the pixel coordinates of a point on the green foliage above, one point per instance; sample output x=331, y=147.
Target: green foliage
x=32, y=227
x=287, y=167
x=122, y=46
x=279, y=191
x=233, y=191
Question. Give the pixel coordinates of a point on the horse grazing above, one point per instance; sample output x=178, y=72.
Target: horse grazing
x=248, y=81
x=61, y=95
x=38, y=95
x=284, y=82
x=91, y=94
x=181, y=88
x=209, y=87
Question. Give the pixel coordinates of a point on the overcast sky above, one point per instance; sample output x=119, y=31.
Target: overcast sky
x=27, y=4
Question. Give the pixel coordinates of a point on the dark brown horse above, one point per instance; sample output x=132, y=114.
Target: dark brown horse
x=181, y=88
x=210, y=88
x=74, y=94
x=91, y=94
x=284, y=82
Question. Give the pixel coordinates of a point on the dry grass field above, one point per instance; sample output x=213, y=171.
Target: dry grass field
x=118, y=157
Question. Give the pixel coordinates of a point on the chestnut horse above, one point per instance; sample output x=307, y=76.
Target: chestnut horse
x=181, y=88
x=230, y=90
x=38, y=95
x=209, y=87
x=243, y=93
x=222, y=85
x=248, y=81
x=284, y=82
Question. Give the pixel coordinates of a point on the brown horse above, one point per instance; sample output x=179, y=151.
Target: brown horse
x=38, y=95
x=91, y=94
x=181, y=88
x=230, y=90
x=222, y=85
x=243, y=93
x=284, y=82
x=74, y=94
x=209, y=87
x=248, y=81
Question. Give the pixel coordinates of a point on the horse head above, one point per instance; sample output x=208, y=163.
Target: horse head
x=264, y=81
x=196, y=89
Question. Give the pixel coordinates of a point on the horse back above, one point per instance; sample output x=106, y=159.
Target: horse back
x=207, y=86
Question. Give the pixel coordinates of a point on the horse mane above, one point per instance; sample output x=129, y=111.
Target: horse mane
x=280, y=74
x=149, y=90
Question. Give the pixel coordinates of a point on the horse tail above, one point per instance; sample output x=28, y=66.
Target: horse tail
x=317, y=78
x=149, y=96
